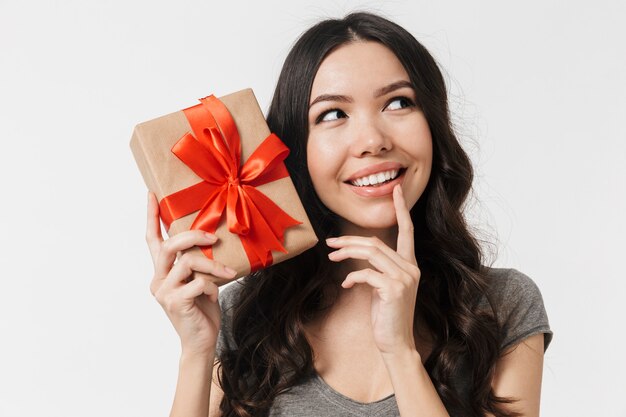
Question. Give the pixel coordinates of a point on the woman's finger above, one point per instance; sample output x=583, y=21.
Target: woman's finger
x=179, y=242
x=372, y=254
x=200, y=286
x=194, y=262
x=366, y=276
x=344, y=241
x=406, y=242
x=154, y=238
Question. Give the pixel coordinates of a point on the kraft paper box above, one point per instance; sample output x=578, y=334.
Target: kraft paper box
x=165, y=174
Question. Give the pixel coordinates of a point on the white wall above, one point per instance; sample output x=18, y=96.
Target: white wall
x=539, y=94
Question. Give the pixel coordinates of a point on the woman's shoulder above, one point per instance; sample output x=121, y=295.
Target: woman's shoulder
x=504, y=282
x=229, y=293
x=228, y=298
x=519, y=305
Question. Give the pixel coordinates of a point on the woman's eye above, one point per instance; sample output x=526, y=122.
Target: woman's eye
x=330, y=116
x=399, y=103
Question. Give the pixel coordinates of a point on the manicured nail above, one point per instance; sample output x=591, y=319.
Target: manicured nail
x=210, y=237
x=230, y=270
x=331, y=239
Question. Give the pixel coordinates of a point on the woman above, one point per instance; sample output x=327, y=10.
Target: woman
x=394, y=314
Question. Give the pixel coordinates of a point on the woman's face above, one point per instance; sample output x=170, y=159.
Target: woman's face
x=366, y=135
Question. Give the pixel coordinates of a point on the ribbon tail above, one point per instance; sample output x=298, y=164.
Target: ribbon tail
x=259, y=242
x=207, y=251
x=209, y=217
x=258, y=260
x=237, y=211
x=279, y=220
x=268, y=224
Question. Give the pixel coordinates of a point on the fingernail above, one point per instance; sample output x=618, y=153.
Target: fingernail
x=210, y=237
x=331, y=239
x=230, y=270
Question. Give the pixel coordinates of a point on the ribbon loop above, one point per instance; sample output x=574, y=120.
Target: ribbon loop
x=213, y=152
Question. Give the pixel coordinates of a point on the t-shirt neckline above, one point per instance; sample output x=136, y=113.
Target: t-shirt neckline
x=338, y=398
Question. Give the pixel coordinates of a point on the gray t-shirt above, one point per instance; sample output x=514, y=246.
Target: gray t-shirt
x=519, y=304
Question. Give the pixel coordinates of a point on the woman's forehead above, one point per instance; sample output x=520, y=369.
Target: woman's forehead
x=357, y=66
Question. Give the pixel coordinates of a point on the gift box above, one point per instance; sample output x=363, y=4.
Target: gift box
x=216, y=167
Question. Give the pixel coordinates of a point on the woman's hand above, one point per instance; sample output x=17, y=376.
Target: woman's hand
x=191, y=306
x=394, y=280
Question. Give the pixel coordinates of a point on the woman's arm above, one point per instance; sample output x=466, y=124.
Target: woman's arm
x=192, y=307
x=193, y=388
x=216, y=395
x=518, y=375
x=196, y=394
x=415, y=393
x=395, y=281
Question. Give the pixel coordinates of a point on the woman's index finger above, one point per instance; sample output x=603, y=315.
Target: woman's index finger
x=405, y=246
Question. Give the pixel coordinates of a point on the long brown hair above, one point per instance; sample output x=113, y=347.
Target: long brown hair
x=272, y=352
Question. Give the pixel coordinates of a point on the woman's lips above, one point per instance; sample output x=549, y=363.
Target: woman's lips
x=375, y=169
x=378, y=190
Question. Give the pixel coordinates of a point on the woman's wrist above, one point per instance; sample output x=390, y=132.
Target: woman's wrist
x=402, y=358
x=415, y=392
x=197, y=357
x=193, y=389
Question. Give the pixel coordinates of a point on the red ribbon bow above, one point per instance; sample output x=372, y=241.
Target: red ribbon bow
x=213, y=152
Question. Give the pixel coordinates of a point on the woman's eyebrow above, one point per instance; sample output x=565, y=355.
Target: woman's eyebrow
x=331, y=97
x=378, y=93
x=392, y=87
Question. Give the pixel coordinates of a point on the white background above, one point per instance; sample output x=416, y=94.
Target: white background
x=538, y=91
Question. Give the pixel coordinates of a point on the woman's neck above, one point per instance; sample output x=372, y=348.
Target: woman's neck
x=357, y=300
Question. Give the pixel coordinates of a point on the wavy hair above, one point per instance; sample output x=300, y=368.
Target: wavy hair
x=272, y=353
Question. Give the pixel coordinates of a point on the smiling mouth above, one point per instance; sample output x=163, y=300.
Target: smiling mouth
x=377, y=180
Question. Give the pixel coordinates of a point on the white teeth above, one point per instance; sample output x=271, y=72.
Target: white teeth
x=375, y=178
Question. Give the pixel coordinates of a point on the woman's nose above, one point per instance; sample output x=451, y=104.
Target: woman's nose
x=370, y=139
